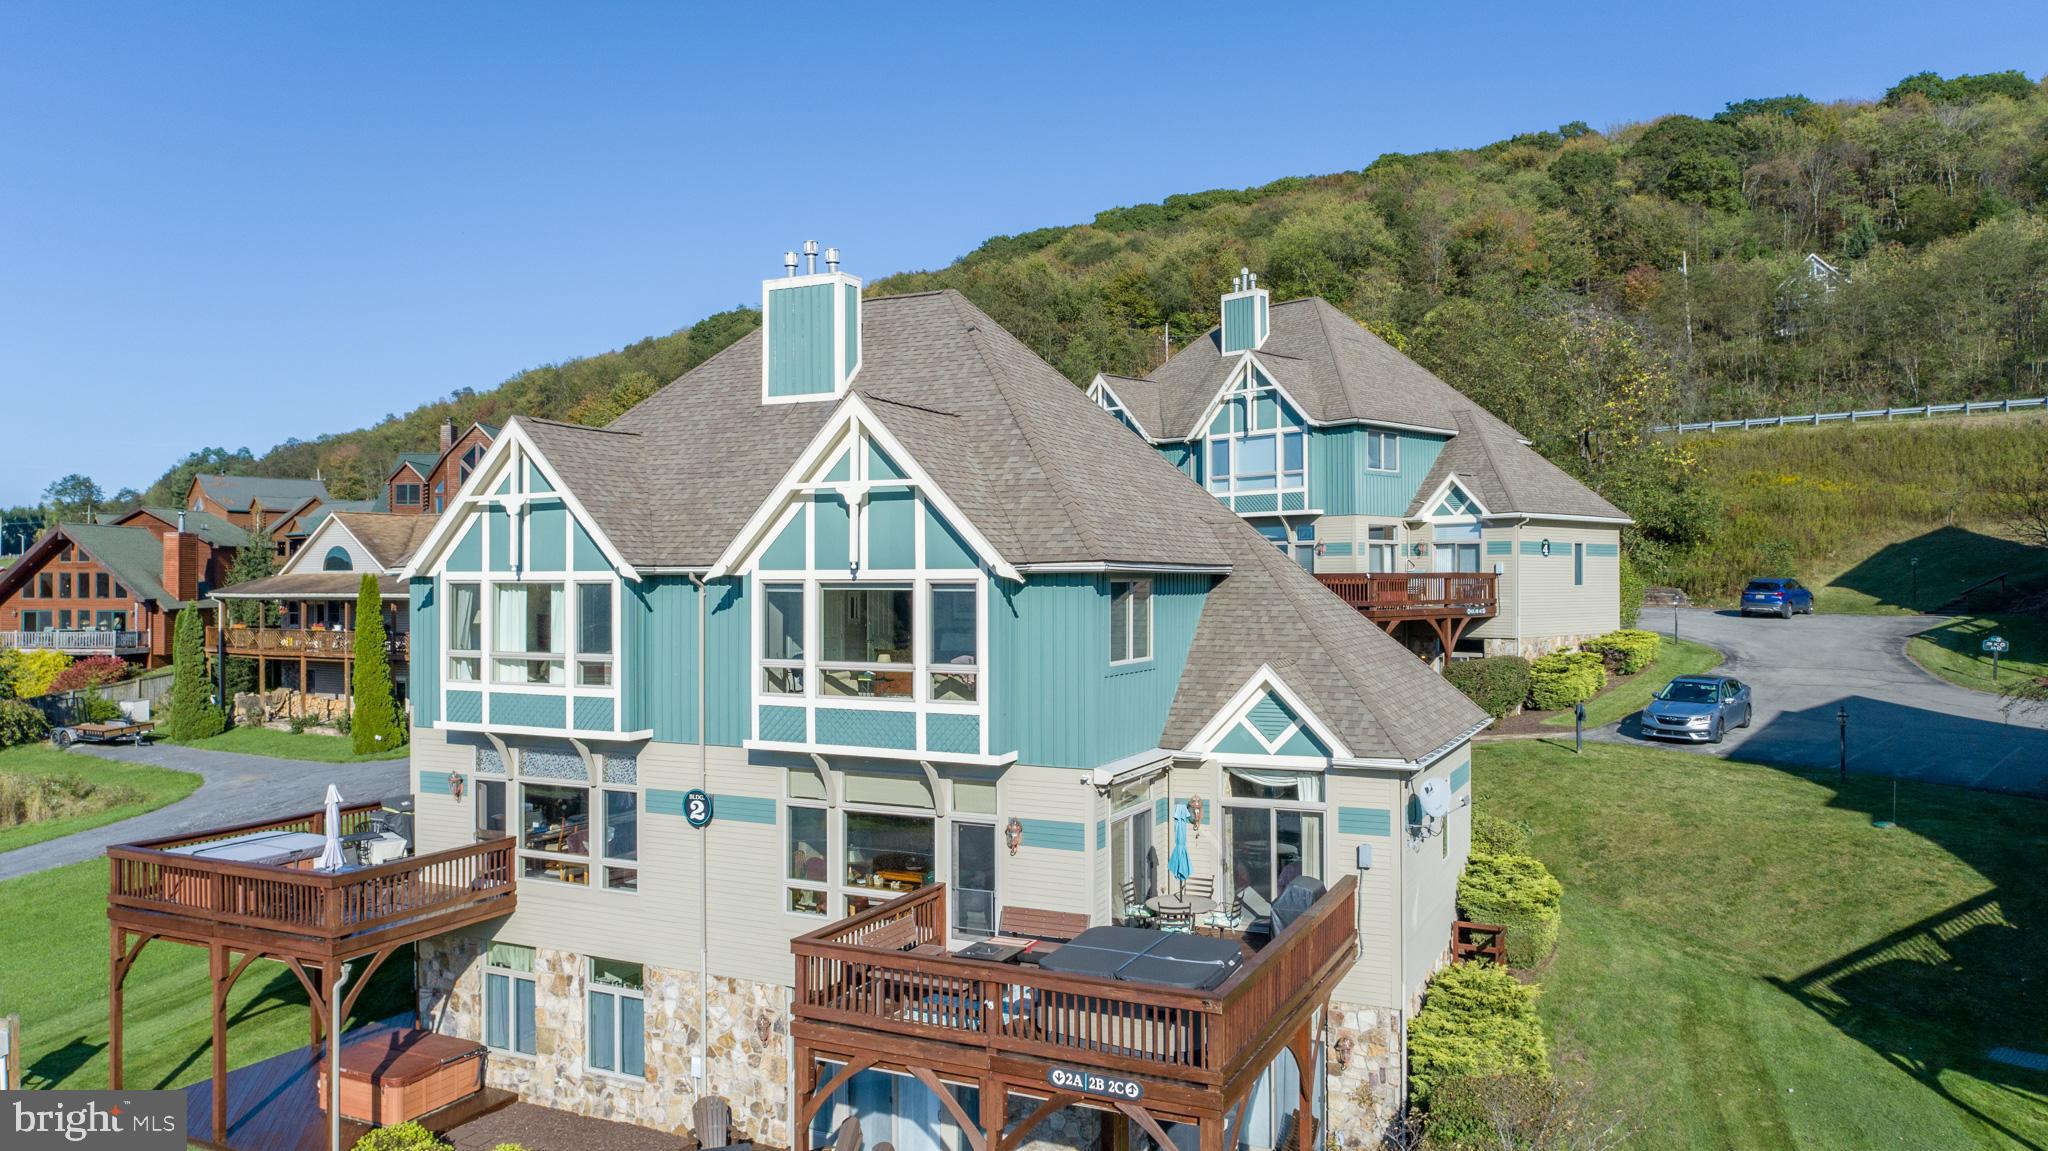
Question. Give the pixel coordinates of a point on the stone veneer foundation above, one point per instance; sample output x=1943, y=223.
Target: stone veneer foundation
x=747, y=1064
x=1539, y=646
x=1365, y=1091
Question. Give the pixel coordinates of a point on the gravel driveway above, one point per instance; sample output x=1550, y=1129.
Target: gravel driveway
x=237, y=789
x=1903, y=720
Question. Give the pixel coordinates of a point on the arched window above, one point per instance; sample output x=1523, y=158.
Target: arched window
x=337, y=560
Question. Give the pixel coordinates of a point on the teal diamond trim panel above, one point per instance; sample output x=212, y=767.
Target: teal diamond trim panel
x=1293, y=501
x=1460, y=776
x=1258, y=503
x=593, y=713
x=1055, y=834
x=662, y=801
x=1365, y=821
x=845, y=727
x=1302, y=742
x=1239, y=740
x=743, y=809
x=438, y=783
x=1101, y=834
x=517, y=709
x=465, y=707
x=959, y=734
x=783, y=724
x=1269, y=716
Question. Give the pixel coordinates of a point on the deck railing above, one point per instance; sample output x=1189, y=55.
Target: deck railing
x=333, y=643
x=86, y=640
x=1395, y=594
x=855, y=973
x=151, y=877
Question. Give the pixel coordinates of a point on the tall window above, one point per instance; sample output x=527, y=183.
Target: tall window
x=887, y=853
x=808, y=871
x=1130, y=620
x=864, y=634
x=63, y=585
x=1272, y=829
x=45, y=587
x=554, y=832
x=1382, y=451
x=1382, y=554
x=1578, y=565
x=618, y=1017
x=594, y=634
x=465, y=632
x=469, y=462
x=782, y=639
x=955, y=659
x=490, y=807
x=100, y=585
x=508, y=998
x=622, y=840
x=527, y=644
x=1257, y=442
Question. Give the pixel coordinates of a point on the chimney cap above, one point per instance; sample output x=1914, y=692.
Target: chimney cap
x=831, y=259
x=789, y=263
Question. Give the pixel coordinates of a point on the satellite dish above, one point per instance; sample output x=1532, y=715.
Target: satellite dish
x=1435, y=796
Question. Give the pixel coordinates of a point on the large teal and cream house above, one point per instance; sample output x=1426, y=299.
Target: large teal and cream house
x=1414, y=503
x=871, y=639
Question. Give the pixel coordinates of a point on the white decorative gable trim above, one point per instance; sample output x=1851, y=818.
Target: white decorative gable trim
x=1473, y=508
x=1264, y=681
x=311, y=554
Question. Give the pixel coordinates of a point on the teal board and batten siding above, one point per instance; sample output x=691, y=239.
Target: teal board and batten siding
x=849, y=354
x=548, y=532
x=1340, y=485
x=1056, y=701
x=1240, y=324
x=423, y=677
x=800, y=340
x=659, y=679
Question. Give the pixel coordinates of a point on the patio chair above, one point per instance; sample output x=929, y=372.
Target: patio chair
x=712, y=1120
x=848, y=1137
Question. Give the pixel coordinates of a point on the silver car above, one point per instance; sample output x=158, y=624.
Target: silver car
x=1697, y=709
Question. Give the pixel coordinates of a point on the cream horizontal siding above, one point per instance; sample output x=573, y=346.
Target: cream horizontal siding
x=750, y=930
x=1430, y=870
x=440, y=821
x=1551, y=605
x=1044, y=873
x=1507, y=583
x=1371, y=980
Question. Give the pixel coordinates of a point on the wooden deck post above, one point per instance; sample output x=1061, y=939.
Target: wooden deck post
x=117, y=939
x=217, y=971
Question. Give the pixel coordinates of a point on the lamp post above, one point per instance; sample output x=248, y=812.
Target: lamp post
x=1578, y=729
x=1674, y=619
x=1842, y=724
x=1914, y=563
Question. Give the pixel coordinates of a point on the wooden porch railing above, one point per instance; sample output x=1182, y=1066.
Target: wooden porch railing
x=1471, y=940
x=324, y=906
x=246, y=639
x=844, y=975
x=74, y=639
x=1403, y=594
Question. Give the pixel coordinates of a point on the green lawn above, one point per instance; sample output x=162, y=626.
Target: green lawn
x=288, y=745
x=1626, y=696
x=1954, y=651
x=153, y=787
x=55, y=974
x=1747, y=963
x=1950, y=560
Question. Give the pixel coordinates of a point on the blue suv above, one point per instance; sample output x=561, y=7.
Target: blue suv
x=1784, y=598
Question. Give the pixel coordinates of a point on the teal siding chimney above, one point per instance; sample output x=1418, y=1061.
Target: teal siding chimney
x=1245, y=314
x=810, y=330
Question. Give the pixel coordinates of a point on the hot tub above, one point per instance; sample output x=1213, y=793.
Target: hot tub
x=401, y=1075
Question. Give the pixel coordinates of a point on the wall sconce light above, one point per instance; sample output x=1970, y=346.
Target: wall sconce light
x=455, y=782
x=1194, y=813
x=1340, y=1054
x=1013, y=834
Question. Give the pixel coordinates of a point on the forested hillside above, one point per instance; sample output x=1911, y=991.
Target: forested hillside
x=1581, y=283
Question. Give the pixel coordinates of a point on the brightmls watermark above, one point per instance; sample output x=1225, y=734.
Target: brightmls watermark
x=92, y=1120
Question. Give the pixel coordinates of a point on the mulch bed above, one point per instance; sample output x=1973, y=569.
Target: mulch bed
x=545, y=1129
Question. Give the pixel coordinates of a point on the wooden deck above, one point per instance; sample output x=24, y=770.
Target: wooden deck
x=861, y=1001
x=1448, y=602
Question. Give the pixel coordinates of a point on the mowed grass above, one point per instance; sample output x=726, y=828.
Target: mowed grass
x=145, y=789
x=307, y=745
x=1747, y=963
x=1955, y=650
x=53, y=970
x=1626, y=696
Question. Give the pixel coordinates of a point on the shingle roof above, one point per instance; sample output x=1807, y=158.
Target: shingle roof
x=312, y=585
x=1141, y=398
x=1381, y=700
x=1507, y=477
x=391, y=539
x=207, y=526
x=314, y=518
x=271, y=493
x=134, y=555
x=422, y=462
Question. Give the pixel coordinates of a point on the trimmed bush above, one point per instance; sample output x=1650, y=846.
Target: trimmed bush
x=97, y=708
x=1564, y=678
x=1627, y=651
x=1493, y=835
x=402, y=1137
x=1498, y=684
x=1520, y=894
x=192, y=712
x=375, y=725
x=21, y=723
x=35, y=671
x=1476, y=1019
x=96, y=671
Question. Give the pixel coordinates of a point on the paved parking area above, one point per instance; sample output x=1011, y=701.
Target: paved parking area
x=237, y=789
x=1903, y=721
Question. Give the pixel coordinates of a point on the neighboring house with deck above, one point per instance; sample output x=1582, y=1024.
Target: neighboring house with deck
x=114, y=589
x=1411, y=501
x=868, y=639
x=421, y=483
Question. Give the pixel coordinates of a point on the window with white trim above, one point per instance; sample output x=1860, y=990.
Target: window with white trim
x=809, y=846
x=527, y=641
x=1272, y=829
x=782, y=639
x=864, y=635
x=594, y=635
x=1382, y=451
x=1257, y=442
x=617, y=1021
x=561, y=834
x=955, y=644
x=1130, y=620
x=509, y=998
x=1382, y=552
x=465, y=632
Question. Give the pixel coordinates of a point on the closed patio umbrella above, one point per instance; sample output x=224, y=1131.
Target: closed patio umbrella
x=330, y=855
x=1177, y=863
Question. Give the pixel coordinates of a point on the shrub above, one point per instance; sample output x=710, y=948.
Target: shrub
x=193, y=714
x=96, y=708
x=376, y=726
x=1476, y=1019
x=21, y=723
x=1498, y=684
x=1634, y=584
x=35, y=671
x=1522, y=1111
x=1564, y=678
x=1627, y=651
x=403, y=1137
x=98, y=671
x=1496, y=836
x=344, y=723
x=1520, y=894
x=299, y=723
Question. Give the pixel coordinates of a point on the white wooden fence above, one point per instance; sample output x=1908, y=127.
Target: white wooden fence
x=1853, y=416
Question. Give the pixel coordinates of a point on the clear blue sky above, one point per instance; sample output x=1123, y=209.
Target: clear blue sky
x=233, y=224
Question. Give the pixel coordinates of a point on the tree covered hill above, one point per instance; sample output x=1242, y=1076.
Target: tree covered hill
x=1575, y=281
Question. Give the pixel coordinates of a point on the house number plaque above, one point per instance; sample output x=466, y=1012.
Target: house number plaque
x=1094, y=1083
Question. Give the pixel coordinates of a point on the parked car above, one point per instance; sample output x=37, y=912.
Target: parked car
x=1784, y=598
x=1697, y=709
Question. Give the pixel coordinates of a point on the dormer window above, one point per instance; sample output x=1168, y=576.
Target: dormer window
x=1257, y=442
x=1109, y=404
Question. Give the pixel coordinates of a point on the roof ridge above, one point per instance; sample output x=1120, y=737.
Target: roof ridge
x=1336, y=361
x=881, y=399
x=1294, y=605
x=572, y=427
x=1485, y=448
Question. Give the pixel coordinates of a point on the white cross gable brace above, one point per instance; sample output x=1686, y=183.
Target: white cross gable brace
x=1240, y=704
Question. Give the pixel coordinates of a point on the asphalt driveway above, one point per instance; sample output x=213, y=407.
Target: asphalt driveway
x=237, y=789
x=1903, y=721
